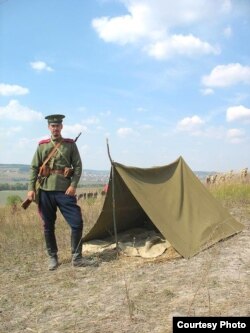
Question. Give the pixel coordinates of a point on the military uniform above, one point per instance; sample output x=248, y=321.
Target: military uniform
x=67, y=156
x=52, y=190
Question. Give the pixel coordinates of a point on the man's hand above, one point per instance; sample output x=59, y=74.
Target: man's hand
x=71, y=191
x=31, y=195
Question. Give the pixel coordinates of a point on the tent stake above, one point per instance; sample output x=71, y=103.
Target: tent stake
x=113, y=196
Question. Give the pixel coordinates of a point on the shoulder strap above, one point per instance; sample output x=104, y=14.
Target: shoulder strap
x=49, y=157
x=60, y=152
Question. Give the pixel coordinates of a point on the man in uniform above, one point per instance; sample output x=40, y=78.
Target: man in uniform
x=58, y=166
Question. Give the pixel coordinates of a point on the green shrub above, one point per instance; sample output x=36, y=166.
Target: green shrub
x=13, y=200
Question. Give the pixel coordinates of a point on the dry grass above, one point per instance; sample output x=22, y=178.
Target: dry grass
x=123, y=294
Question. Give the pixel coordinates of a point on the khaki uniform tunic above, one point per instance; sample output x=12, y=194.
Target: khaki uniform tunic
x=67, y=155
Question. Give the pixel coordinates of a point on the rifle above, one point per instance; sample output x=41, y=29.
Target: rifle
x=25, y=204
x=77, y=136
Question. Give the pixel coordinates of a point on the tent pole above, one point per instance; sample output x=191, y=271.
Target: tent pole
x=113, y=195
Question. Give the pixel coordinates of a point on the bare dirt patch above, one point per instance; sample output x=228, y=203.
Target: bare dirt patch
x=123, y=294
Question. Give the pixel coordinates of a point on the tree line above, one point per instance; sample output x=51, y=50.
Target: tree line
x=24, y=186
x=13, y=187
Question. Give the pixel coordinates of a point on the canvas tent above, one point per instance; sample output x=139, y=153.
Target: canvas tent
x=170, y=197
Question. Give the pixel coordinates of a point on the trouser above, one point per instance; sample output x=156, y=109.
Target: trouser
x=48, y=204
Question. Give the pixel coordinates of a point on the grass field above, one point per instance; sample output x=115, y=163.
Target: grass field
x=22, y=194
x=123, y=294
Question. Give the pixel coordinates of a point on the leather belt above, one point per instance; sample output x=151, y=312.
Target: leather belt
x=57, y=171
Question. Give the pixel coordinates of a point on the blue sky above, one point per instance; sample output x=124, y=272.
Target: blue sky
x=159, y=78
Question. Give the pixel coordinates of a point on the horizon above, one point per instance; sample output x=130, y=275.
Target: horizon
x=108, y=170
x=159, y=79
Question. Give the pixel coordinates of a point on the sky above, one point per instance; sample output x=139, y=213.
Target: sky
x=158, y=78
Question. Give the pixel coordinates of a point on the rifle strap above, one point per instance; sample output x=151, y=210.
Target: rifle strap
x=49, y=157
x=60, y=152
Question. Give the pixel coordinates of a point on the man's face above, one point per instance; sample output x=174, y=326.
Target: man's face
x=55, y=129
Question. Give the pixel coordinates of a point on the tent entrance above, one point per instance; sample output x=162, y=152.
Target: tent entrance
x=128, y=213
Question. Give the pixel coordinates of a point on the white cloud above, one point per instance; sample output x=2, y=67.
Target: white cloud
x=207, y=91
x=190, y=124
x=146, y=127
x=227, y=32
x=141, y=109
x=151, y=25
x=23, y=143
x=82, y=109
x=123, y=29
x=125, y=132
x=213, y=132
x=73, y=130
x=84, y=149
x=41, y=66
x=188, y=45
x=227, y=75
x=235, y=135
x=12, y=89
x=121, y=120
x=10, y=131
x=92, y=121
x=15, y=111
x=238, y=113
x=106, y=113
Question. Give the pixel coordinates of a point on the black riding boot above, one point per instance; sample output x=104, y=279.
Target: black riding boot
x=76, y=245
x=76, y=249
x=51, y=246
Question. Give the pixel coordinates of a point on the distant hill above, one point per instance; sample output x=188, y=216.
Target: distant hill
x=203, y=174
x=13, y=173
x=19, y=167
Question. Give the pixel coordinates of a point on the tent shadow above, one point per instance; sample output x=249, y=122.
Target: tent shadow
x=106, y=255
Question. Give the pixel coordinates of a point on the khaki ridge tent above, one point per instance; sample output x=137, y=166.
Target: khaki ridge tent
x=171, y=198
